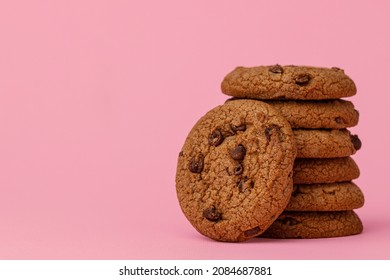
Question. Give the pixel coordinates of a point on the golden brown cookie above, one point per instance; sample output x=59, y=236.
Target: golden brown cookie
x=288, y=82
x=322, y=143
x=324, y=170
x=326, y=197
x=234, y=172
x=315, y=225
x=330, y=114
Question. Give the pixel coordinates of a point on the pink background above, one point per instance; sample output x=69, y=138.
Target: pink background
x=97, y=98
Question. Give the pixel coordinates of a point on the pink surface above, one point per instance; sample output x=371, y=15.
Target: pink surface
x=97, y=97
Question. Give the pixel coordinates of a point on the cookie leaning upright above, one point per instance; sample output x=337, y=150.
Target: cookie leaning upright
x=234, y=172
x=288, y=82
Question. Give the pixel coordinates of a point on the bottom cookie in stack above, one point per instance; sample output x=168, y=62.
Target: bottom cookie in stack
x=315, y=224
x=320, y=211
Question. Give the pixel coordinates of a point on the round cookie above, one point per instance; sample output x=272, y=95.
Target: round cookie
x=324, y=170
x=326, y=197
x=234, y=172
x=328, y=114
x=288, y=82
x=321, y=143
x=315, y=114
x=315, y=225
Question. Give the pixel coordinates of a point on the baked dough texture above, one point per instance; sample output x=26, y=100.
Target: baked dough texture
x=234, y=172
x=288, y=82
x=315, y=225
x=326, y=197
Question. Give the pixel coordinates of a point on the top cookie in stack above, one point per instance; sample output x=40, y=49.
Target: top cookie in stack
x=288, y=82
x=309, y=98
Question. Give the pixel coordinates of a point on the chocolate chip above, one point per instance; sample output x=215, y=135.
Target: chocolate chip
x=196, y=165
x=238, y=153
x=215, y=138
x=181, y=154
x=277, y=69
x=288, y=221
x=268, y=131
x=337, y=69
x=211, y=214
x=330, y=192
x=245, y=184
x=238, y=169
x=302, y=79
x=252, y=232
x=357, y=144
x=235, y=128
x=339, y=120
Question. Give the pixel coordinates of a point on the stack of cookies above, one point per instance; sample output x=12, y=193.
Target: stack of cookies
x=324, y=195
x=275, y=160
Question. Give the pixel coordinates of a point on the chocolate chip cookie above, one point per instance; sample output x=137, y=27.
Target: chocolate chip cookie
x=326, y=197
x=315, y=114
x=315, y=225
x=322, y=143
x=234, y=172
x=329, y=114
x=324, y=170
x=288, y=82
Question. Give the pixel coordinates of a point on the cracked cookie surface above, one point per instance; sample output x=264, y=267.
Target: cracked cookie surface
x=322, y=143
x=315, y=114
x=288, y=82
x=315, y=225
x=325, y=170
x=329, y=114
x=234, y=172
x=326, y=197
